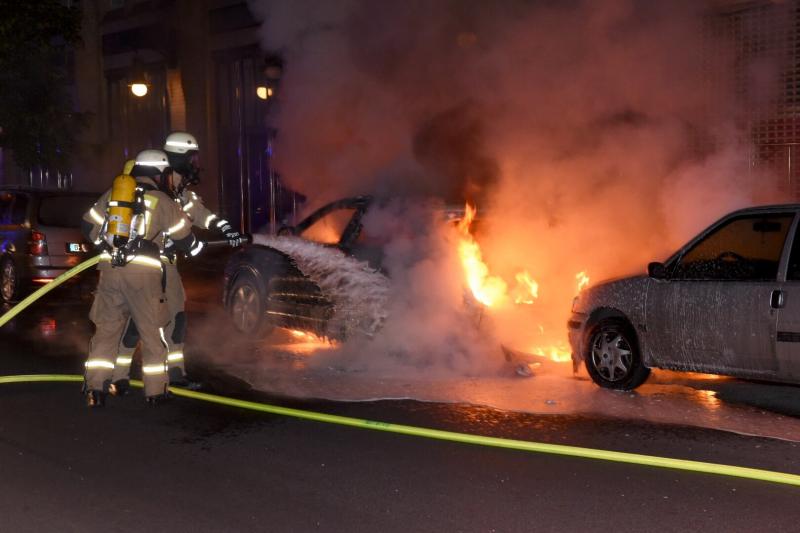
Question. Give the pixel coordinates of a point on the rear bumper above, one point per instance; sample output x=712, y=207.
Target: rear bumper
x=50, y=267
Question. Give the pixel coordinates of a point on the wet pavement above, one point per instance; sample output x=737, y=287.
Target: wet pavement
x=217, y=468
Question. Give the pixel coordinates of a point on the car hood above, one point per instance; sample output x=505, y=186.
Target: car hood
x=624, y=294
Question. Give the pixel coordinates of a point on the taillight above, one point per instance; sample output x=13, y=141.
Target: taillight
x=38, y=243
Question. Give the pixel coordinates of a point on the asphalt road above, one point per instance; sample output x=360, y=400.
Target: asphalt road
x=192, y=466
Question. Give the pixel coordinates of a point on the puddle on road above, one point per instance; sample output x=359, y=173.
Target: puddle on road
x=283, y=366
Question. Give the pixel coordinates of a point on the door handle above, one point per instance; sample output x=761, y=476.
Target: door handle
x=776, y=299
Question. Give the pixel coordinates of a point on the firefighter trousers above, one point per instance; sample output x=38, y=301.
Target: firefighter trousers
x=174, y=332
x=123, y=293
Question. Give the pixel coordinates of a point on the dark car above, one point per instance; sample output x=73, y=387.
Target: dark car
x=40, y=237
x=265, y=287
x=728, y=302
x=324, y=275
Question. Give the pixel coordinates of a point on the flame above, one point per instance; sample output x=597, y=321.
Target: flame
x=492, y=291
x=306, y=337
x=583, y=280
x=527, y=289
x=558, y=353
x=488, y=290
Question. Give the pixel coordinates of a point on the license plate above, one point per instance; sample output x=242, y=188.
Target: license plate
x=74, y=247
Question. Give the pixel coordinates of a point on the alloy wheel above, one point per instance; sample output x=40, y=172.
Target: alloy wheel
x=8, y=285
x=612, y=355
x=245, y=308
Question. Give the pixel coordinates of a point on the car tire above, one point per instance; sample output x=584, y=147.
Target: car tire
x=247, y=305
x=612, y=356
x=10, y=282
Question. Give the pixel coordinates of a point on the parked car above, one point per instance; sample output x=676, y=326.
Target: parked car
x=322, y=275
x=728, y=302
x=40, y=237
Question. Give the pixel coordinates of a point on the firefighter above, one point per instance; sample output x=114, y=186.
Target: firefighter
x=182, y=152
x=129, y=223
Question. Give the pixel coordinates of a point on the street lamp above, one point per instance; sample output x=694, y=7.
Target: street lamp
x=264, y=92
x=139, y=89
x=271, y=72
x=138, y=85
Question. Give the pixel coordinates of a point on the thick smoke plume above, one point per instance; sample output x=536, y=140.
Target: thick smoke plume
x=587, y=132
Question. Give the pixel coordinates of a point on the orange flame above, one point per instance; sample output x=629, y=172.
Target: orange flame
x=583, y=280
x=492, y=291
x=488, y=290
x=527, y=289
x=310, y=338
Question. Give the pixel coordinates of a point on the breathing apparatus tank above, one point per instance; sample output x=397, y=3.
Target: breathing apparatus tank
x=120, y=209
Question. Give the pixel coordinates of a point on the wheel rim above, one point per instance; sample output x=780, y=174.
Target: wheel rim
x=9, y=282
x=612, y=355
x=245, y=308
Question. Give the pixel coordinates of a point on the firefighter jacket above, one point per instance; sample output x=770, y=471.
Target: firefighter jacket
x=202, y=217
x=163, y=219
x=198, y=214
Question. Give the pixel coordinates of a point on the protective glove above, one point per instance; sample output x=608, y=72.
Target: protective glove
x=234, y=238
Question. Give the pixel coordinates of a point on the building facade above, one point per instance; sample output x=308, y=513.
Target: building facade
x=205, y=73
x=760, y=41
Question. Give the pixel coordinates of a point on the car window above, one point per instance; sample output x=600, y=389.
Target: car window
x=19, y=209
x=5, y=207
x=329, y=228
x=64, y=211
x=744, y=248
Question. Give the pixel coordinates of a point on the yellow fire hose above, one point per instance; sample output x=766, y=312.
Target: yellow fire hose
x=44, y=289
x=496, y=442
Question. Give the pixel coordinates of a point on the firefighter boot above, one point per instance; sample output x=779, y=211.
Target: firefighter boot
x=158, y=399
x=95, y=398
x=119, y=388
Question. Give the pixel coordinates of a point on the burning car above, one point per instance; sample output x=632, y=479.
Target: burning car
x=268, y=284
x=323, y=275
x=728, y=302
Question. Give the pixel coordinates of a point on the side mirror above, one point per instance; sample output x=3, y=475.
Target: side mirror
x=657, y=270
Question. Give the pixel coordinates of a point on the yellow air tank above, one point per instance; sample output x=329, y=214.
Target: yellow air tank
x=120, y=208
x=128, y=167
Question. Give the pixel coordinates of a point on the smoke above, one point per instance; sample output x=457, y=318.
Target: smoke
x=430, y=325
x=591, y=134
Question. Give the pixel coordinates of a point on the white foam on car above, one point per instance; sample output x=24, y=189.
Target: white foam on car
x=359, y=293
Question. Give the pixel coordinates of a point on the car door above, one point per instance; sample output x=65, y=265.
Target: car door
x=787, y=339
x=713, y=313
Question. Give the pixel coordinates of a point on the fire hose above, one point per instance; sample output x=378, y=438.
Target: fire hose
x=89, y=263
x=464, y=438
x=44, y=289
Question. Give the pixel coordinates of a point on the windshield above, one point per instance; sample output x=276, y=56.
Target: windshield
x=64, y=211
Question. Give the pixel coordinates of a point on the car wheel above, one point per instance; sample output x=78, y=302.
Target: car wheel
x=9, y=280
x=613, y=359
x=247, y=305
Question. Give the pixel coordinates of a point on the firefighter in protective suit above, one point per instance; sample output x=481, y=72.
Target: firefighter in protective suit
x=182, y=152
x=132, y=274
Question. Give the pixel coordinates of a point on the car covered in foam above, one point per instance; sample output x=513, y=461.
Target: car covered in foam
x=728, y=302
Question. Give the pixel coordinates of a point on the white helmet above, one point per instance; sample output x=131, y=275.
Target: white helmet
x=152, y=159
x=180, y=142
